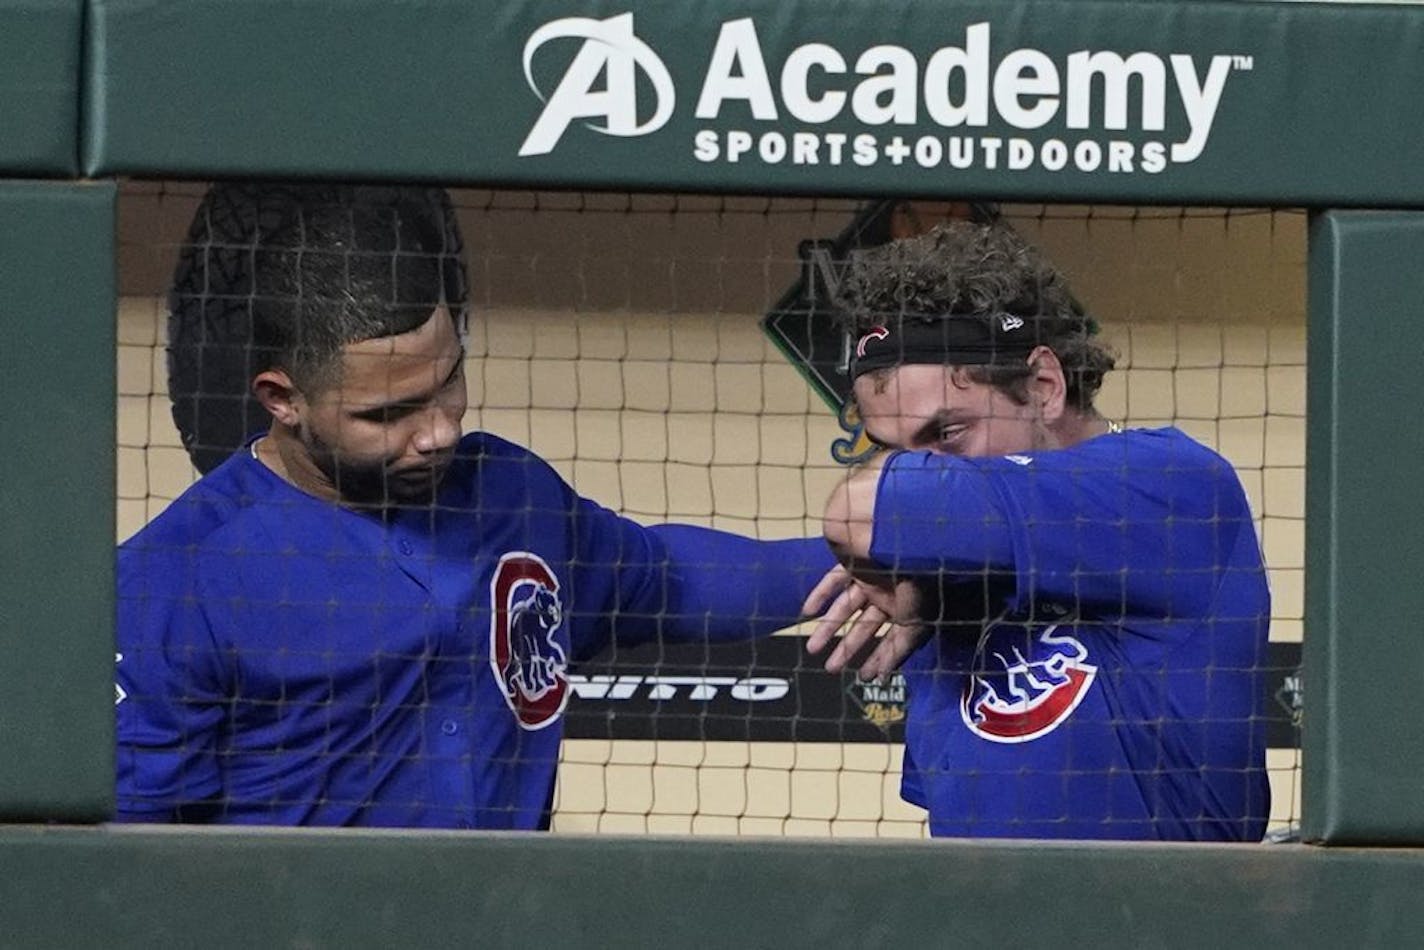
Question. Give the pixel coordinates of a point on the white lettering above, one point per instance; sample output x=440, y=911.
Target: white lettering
x=973, y=63
x=928, y=151
x=958, y=86
x=1116, y=72
x=737, y=48
x=1200, y=100
x=1119, y=156
x=804, y=148
x=705, y=147
x=760, y=689
x=869, y=104
x=703, y=688
x=1154, y=158
x=772, y=147
x=1020, y=154
x=1026, y=72
x=796, y=74
x=738, y=144
x=1087, y=155
x=961, y=151
x=990, y=147
x=1054, y=155
x=865, y=153
x=756, y=689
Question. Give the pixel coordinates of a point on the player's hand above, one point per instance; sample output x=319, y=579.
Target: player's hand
x=850, y=608
x=865, y=608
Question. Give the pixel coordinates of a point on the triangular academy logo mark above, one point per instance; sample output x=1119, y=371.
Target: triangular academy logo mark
x=599, y=83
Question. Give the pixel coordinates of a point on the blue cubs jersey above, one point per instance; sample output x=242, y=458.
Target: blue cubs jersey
x=283, y=660
x=1099, y=669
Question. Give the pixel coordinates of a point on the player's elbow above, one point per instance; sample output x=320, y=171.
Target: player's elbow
x=849, y=519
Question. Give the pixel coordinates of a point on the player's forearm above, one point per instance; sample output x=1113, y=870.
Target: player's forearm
x=723, y=586
x=849, y=520
x=928, y=514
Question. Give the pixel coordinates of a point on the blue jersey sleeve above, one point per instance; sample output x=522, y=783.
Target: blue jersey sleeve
x=684, y=582
x=1143, y=522
x=725, y=586
x=170, y=691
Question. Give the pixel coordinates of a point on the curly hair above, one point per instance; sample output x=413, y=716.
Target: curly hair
x=968, y=271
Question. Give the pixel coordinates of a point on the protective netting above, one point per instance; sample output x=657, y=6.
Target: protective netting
x=672, y=357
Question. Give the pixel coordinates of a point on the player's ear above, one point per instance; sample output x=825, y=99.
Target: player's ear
x=277, y=394
x=1047, y=387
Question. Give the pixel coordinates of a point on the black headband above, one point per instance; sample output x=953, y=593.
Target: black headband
x=952, y=339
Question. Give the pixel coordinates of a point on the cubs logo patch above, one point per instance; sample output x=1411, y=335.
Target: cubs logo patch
x=1013, y=698
x=528, y=662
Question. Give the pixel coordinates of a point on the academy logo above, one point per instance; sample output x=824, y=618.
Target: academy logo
x=600, y=82
x=1011, y=698
x=970, y=103
x=528, y=661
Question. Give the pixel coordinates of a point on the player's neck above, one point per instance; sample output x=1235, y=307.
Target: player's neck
x=283, y=452
x=1074, y=427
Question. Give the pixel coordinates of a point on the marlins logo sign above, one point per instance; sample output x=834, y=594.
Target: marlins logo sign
x=525, y=654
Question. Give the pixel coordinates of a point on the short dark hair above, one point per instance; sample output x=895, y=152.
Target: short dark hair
x=294, y=272
x=962, y=270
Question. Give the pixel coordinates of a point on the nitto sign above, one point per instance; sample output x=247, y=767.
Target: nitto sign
x=964, y=105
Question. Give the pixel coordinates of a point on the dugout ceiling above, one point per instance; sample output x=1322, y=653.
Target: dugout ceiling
x=1077, y=100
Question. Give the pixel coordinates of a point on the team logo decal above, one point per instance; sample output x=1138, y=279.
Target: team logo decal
x=600, y=82
x=525, y=655
x=1010, y=698
x=876, y=333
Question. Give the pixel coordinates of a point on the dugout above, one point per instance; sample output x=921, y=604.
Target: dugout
x=1309, y=105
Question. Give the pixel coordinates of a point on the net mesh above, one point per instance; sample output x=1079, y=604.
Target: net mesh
x=620, y=338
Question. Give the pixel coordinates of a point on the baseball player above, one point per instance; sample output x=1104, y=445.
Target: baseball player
x=1082, y=611
x=365, y=617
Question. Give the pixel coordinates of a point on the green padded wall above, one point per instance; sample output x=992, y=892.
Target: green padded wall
x=1246, y=101
x=57, y=383
x=253, y=888
x=39, y=86
x=1363, y=759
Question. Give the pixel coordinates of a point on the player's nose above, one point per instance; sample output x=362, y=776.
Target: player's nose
x=439, y=431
